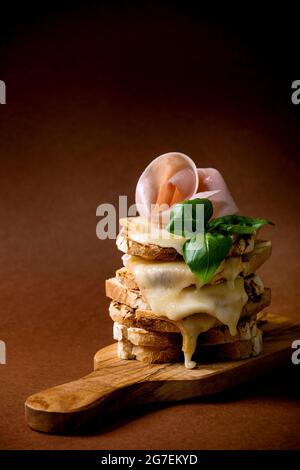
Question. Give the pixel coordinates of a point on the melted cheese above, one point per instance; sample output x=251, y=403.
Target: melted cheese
x=172, y=290
x=190, y=328
x=177, y=273
x=141, y=231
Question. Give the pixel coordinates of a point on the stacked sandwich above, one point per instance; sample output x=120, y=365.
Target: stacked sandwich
x=163, y=312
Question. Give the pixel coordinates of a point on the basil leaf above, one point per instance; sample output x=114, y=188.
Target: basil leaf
x=208, y=207
x=204, y=253
x=185, y=220
x=237, y=224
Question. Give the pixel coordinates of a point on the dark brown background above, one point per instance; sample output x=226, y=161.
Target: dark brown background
x=93, y=94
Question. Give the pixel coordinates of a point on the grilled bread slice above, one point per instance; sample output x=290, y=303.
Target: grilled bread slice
x=130, y=346
x=246, y=329
x=241, y=245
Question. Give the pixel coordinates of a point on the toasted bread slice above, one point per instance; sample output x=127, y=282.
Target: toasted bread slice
x=240, y=349
x=242, y=245
x=133, y=298
x=143, y=337
x=254, y=260
x=246, y=330
x=130, y=317
x=148, y=251
x=126, y=278
x=234, y=351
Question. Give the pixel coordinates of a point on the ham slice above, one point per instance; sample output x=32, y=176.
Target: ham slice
x=174, y=177
x=212, y=186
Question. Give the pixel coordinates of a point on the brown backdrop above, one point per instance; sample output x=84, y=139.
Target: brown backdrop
x=93, y=94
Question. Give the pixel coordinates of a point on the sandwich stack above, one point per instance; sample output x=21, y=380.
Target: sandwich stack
x=161, y=314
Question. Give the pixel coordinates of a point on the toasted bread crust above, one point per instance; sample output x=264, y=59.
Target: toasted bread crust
x=136, y=318
x=126, y=278
x=149, y=251
x=233, y=351
x=236, y=350
x=143, y=337
x=116, y=291
x=246, y=330
x=240, y=246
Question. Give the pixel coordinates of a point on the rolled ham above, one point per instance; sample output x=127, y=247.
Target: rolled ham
x=174, y=177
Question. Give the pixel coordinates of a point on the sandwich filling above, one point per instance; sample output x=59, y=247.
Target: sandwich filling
x=173, y=291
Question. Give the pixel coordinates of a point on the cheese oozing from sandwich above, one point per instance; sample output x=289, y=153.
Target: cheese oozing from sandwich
x=173, y=291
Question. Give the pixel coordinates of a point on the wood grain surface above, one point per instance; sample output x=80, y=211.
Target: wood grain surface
x=118, y=384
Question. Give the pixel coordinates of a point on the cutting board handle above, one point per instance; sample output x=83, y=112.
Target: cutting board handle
x=117, y=384
x=75, y=405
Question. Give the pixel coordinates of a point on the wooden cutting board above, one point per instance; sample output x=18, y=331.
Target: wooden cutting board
x=118, y=384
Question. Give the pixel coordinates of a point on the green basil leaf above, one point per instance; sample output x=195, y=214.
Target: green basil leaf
x=204, y=253
x=237, y=224
x=208, y=207
x=184, y=219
